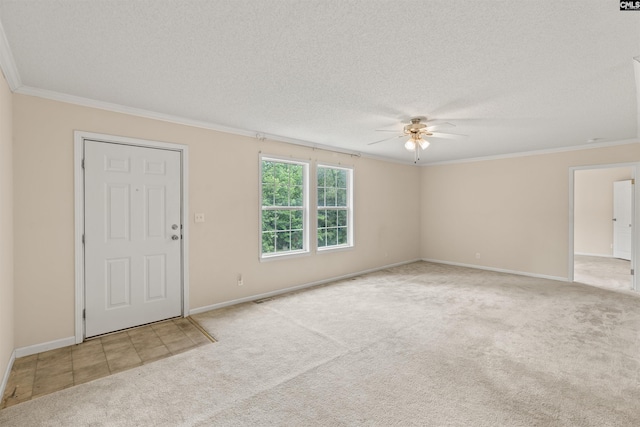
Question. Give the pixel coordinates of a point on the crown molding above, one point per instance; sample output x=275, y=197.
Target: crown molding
x=7, y=63
x=537, y=152
x=139, y=112
x=118, y=108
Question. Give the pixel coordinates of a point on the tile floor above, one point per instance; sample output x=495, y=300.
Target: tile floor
x=44, y=373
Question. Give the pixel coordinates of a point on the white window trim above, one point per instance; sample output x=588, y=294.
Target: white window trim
x=306, y=251
x=350, y=215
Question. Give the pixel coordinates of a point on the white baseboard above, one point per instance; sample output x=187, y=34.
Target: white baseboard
x=498, y=270
x=45, y=346
x=293, y=288
x=598, y=255
x=7, y=372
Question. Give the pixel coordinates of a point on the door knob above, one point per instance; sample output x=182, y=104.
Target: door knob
x=174, y=237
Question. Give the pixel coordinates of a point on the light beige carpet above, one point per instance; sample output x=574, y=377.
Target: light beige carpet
x=422, y=344
x=611, y=273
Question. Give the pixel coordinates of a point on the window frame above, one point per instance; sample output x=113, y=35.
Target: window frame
x=350, y=210
x=305, y=208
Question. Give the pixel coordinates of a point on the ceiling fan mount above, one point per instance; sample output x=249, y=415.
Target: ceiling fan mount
x=416, y=128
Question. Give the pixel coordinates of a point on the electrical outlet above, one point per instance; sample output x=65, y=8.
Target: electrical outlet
x=477, y=255
x=199, y=217
x=240, y=280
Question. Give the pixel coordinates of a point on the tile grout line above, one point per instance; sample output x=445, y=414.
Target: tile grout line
x=34, y=370
x=134, y=349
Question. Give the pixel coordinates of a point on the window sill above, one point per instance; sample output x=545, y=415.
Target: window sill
x=331, y=249
x=281, y=256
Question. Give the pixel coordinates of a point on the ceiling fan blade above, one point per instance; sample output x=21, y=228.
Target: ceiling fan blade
x=388, y=130
x=439, y=125
x=445, y=135
x=386, y=139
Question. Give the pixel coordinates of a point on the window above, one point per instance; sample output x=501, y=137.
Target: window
x=335, y=216
x=284, y=215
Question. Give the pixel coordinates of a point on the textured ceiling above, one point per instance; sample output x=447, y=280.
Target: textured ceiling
x=514, y=76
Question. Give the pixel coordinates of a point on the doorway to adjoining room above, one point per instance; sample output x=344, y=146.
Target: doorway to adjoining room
x=603, y=219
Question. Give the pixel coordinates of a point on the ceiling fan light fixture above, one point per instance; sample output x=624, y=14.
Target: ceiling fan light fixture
x=410, y=145
x=424, y=144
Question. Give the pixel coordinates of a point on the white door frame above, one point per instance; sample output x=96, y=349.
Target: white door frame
x=635, y=226
x=79, y=138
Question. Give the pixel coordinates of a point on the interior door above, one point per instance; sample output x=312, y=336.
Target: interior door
x=622, y=218
x=132, y=236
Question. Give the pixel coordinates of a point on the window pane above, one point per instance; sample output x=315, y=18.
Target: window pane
x=297, y=220
x=283, y=239
x=268, y=243
x=321, y=197
x=268, y=193
x=342, y=217
x=329, y=177
x=330, y=196
x=322, y=238
x=281, y=173
x=342, y=236
x=268, y=220
x=267, y=172
x=295, y=175
x=322, y=215
x=332, y=238
x=341, y=197
x=283, y=220
x=297, y=242
x=296, y=196
x=332, y=218
x=321, y=176
x=282, y=196
x=341, y=178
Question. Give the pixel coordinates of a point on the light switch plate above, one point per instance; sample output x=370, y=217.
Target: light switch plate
x=199, y=217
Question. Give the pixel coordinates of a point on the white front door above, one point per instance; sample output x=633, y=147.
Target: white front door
x=622, y=215
x=132, y=236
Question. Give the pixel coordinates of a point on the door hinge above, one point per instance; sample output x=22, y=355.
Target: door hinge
x=84, y=313
x=633, y=272
x=82, y=163
x=83, y=239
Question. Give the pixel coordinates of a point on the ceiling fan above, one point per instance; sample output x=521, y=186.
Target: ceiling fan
x=417, y=131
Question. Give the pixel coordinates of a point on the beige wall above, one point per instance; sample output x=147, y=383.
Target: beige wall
x=223, y=184
x=513, y=211
x=6, y=227
x=593, y=209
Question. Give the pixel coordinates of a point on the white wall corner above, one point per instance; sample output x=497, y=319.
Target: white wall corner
x=7, y=63
x=7, y=372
